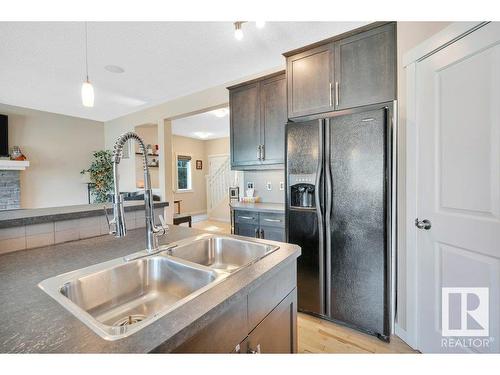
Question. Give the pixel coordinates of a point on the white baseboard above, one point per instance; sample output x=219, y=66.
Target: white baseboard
x=222, y=219
x=197, y=217
x=403, y=335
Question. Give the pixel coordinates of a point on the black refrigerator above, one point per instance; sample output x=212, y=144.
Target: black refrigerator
x=338, y=209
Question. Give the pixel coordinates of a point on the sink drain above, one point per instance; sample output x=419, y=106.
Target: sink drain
x=129, y=320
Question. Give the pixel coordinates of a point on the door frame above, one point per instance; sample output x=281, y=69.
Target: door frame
x=437, y=42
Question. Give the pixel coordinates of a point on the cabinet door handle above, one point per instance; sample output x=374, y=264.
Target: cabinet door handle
x=246, y=217
x=258, y=152
x=261, y=233
x=273, y=220
x=336, y=94
x=262, y=152
x=330, y=95
x=256, y=351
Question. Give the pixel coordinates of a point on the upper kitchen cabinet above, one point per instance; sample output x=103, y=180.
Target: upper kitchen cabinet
x=244, y=110
x=310, y=81
x=274, y=118
x=365, y=68
x=258, y=118
x=350, y=70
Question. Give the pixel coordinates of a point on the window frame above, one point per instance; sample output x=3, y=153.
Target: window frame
x=189, y=173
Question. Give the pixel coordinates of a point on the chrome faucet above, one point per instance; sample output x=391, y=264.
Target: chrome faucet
x=117, y=225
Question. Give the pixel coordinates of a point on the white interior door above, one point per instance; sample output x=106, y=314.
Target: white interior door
x=458, y=191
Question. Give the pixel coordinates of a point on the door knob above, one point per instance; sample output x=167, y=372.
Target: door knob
x=423, y=224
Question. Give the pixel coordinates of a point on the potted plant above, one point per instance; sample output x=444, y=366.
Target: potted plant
x=101, y=175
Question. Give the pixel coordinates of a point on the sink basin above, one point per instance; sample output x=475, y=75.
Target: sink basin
x=121, y=296
x=118, y=299
x=222, y=253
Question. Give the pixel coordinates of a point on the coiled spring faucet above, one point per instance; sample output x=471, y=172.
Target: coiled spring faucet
x=117, y=225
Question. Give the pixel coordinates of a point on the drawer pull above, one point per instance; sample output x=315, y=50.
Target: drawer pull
x=246, y=217
x=273, y=220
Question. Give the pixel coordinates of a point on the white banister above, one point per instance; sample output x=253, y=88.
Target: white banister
x=218, y=185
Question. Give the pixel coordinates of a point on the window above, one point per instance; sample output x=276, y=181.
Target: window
x=183, y=172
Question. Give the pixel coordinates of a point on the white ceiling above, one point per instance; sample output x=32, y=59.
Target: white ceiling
x=202, y=126
x=42, y=63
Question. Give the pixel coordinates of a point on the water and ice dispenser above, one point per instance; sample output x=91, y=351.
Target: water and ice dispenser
x=302, y=191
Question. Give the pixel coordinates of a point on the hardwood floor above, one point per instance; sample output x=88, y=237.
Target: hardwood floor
x=320, y=336
x=213, y=226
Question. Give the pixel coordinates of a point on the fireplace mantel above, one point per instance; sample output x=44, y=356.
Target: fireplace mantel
x=14, y=165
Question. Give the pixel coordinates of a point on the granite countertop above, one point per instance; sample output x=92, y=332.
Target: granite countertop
x=32, y=322
x=261, y=206
x=14, y=218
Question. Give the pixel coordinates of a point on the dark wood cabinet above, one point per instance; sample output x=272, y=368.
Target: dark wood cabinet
x=264, y=320
x=365, y=68
x=257, y=123
x=276, y=333
x=310, y=80
x=354, y=69
x=245, y=124
x=273, y=119
x=265, y=225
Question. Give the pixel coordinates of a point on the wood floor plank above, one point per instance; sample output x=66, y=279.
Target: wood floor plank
x=317, y=335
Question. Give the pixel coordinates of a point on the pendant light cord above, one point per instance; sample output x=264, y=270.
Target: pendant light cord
x=86, y=52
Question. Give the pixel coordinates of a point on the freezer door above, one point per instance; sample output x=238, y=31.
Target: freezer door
x=305, y=226
x=356, y=229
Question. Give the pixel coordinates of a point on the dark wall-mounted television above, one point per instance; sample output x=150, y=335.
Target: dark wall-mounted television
x=4, y=135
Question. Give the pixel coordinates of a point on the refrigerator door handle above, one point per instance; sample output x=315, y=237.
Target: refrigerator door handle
x=319, y=214
x=328, y=214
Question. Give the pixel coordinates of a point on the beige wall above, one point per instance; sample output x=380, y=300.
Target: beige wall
x=218, y=146
x=194, y=201
x=410, y=34
x=149, y=134
x=58, y=148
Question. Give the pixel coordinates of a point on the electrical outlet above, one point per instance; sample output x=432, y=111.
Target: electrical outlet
x=269, y=186
x=282, y=185
x=249, y=185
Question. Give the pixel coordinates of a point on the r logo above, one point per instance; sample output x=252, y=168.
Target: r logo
x=465, y=311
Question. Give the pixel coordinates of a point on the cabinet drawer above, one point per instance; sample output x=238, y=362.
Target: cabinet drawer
x=262, y=300
x=246, y=217
x=220, y=336
x=277, y=333
x=272, y=219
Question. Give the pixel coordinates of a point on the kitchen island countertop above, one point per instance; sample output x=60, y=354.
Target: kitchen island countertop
x=32, y=322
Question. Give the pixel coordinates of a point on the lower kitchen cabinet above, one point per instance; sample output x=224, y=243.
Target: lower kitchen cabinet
x=247, y=230
x=277, y=332
x=265, y=225
x=272, y=233
x=263, y=321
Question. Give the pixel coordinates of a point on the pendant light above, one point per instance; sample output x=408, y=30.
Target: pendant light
x=238, y=32
x=87, y=89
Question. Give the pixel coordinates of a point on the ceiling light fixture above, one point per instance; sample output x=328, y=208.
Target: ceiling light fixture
x=114, y=69
x=238, y=32
x=202, y=135
x=221, y=112
x=260, y=24
x=87, y=89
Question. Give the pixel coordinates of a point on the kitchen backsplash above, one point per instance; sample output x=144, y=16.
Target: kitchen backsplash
x=260, y=180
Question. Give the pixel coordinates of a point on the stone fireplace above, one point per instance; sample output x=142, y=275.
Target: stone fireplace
x=10, y=183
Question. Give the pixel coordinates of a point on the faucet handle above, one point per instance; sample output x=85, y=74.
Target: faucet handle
x=111, y=223
x=164, y=225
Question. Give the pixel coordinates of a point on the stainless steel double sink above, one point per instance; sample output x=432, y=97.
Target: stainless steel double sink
x=121, y=296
